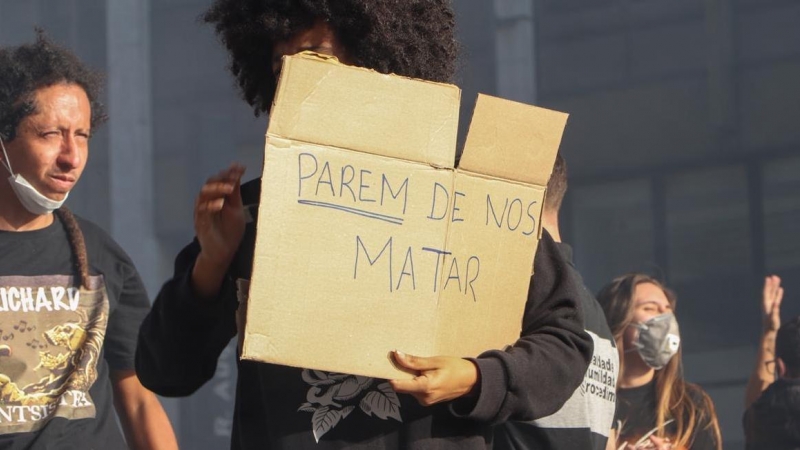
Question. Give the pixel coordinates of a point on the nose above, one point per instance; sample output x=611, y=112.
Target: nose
x=72, y=152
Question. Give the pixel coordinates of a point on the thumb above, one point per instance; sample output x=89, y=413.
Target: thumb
x=418, y=363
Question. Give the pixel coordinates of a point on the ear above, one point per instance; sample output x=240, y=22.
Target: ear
x=781, y=366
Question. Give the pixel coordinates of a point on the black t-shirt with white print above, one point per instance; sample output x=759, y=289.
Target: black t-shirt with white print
x=58, y=341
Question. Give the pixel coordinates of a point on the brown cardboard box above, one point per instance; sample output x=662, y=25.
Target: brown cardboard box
x=368, y=238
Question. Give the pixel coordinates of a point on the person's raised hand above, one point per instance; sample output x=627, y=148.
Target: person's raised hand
x=771, y=303
x=439, y=379
x=219, y=223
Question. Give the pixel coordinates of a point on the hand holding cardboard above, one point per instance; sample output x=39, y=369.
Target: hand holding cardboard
x=439, y=379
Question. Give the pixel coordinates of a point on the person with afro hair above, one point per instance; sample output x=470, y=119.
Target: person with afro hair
x=453, y=402
x=413, y=38
x=71, y=299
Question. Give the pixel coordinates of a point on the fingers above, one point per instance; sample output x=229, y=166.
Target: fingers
x=769, y=291
x=219, y=189
x=212, y=195
x=775, y=312
x=421, y=387
x=416, y=387
x=765, y=292
x=234, y=174
x=772, y=292
x=774, y=282
x=441, y=378
x=771, y=302
x=418, y=363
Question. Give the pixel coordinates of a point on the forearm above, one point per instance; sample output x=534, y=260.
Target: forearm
x=148, y=428
x=761, y=376
x=532, y=379
x=208, y=276
x=541, y=370
x=182, y=337
x=144, y=422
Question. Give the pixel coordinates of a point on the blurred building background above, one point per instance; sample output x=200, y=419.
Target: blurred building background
x=683, y=146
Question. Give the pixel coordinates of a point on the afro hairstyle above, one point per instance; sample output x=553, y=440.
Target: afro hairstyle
x=29, y=67
x=413, y=38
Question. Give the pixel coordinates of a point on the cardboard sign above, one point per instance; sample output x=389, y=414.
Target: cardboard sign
x=369, y=240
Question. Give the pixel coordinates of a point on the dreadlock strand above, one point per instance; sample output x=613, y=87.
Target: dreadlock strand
x=77, y=244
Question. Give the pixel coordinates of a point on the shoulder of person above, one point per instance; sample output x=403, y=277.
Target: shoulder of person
x=699, y=397
x=99, y=242
x=92, y=231
x=695, y=392
x=547, y=249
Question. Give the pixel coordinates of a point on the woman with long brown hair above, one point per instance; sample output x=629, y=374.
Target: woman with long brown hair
x=656, y=407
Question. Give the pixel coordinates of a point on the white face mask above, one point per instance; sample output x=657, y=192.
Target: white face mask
x=31, y=199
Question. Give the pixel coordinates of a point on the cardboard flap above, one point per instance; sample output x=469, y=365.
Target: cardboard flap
x=512, y=140
x=324, y=102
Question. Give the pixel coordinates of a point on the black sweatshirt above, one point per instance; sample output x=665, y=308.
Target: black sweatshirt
x=280, y=407
x=586, y=418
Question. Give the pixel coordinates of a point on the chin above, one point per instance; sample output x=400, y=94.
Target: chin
x=56, y=195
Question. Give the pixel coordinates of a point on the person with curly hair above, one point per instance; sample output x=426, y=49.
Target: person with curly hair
x=413, y=38
x=71, y=300
x=453, y=402
x=656, y=408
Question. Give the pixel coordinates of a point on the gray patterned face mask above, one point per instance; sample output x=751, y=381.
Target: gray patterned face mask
x=658, y=340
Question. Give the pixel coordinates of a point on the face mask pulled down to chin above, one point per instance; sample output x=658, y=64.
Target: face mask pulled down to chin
x=658, y=340
x=31, y=199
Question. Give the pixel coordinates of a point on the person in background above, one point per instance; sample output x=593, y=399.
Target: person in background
x=656, y=407
x=585, y=419
x=764, y=370
x=453, y=402
x=772, y=400
x=71, y=300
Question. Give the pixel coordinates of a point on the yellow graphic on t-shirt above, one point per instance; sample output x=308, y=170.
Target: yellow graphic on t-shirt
x=51, y=335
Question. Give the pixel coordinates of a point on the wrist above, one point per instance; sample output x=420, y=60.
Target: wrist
x=474, y=381
x=207, y=275
x=213, y=263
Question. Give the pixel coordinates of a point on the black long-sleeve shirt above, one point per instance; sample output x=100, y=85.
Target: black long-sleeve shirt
x=280, y=407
